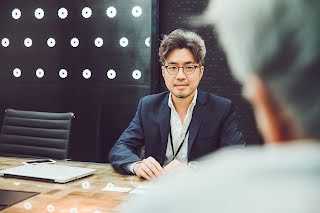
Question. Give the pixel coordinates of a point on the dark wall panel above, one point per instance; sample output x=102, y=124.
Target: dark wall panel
x=103, y=106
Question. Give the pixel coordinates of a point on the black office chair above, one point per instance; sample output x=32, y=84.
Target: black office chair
x=35, y=134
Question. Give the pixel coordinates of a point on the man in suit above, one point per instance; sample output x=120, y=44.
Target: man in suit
x=181, y=125
x=273, y=50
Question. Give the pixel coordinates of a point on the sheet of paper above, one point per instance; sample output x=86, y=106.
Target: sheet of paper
x=137, y=191
x=112, y=188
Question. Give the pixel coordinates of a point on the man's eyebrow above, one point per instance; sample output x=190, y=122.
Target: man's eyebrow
x=187, y=62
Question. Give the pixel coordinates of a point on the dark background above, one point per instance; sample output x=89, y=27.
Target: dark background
x=103, y=107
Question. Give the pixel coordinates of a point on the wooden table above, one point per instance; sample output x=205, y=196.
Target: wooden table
x=74, y=196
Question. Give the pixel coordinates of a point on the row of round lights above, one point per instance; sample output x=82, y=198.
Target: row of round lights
x=74, y=42
x=86, y=12
x=86, y=73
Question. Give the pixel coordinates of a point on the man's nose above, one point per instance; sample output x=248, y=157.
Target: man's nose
x=180, y=73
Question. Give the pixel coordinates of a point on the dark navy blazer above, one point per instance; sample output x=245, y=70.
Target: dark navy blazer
x=213, y=126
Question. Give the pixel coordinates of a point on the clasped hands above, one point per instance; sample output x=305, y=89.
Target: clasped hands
x=149, y=168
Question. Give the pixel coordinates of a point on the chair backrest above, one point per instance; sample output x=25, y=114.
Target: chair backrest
x=35, y=134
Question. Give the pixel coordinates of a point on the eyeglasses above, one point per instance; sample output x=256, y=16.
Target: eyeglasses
x=187, y=69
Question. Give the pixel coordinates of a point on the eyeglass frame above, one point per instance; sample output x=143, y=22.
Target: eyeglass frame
x=183, y=68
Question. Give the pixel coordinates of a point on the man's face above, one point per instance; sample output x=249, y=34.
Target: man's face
x=182, y=85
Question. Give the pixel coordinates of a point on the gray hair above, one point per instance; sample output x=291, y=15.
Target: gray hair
x=179, y=39
x=278, y=40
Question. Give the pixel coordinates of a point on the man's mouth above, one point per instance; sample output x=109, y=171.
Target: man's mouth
x=180, y=86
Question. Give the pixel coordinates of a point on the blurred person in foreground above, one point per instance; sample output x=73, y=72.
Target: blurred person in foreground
x=273, y=48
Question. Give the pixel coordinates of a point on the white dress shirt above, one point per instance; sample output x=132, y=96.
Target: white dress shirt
x=178, y=129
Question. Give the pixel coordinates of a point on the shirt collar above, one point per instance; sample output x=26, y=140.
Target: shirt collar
x=192, y=104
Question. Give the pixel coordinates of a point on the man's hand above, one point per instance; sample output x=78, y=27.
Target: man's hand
x=175, y=165
x=148, y=168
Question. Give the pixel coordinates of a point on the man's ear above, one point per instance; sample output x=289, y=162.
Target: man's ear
x=201, y=71
x=273, y=120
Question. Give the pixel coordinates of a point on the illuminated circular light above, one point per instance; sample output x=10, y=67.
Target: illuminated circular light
x=86, y=185
x=86, y=12
x=124, y=42
x=98, y=42
x=50, y=208
x=74, y=42
x=16, y=13
x=27, y=205
x=40, y=73
x=51, y=42
x=111, y=12
x=16, y=72
x=28, y=42
x=62, y=13
x=63, y=73
x=111, y=74
x=39, y=13
x=136, y=11
x=86, y=73
x=5, y=42
x=147, y=42
x=73, y=210
x=136, y=74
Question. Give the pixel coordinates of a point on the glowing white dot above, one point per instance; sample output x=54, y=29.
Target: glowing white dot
x=39, y=13
x=86, y=12
x=147, y=42
x=136, y=11
x=111, y=74
x=86, y=185
x=136, y=74
x=16, y=183
x=51, y=42
x=74, y=42
x=5, y=42
x=62, y=13
x=124, y=42
x=73, y=210
x=27, y=205
x=28, y=42
x=98, y=42
x=111, y=12
x=63, y=73
x=16, y=13
x=40, y=73
x=50, y=208
x=16, y=72
x=86, y=73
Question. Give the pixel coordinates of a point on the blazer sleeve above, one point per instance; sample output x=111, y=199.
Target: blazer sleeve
x=231, y=135
x=129, y=144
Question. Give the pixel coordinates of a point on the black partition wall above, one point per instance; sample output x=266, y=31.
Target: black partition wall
x=93, y=58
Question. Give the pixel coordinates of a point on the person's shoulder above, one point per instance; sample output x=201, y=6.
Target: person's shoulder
x=155, y=98
x=266, y=157
x=214, y=99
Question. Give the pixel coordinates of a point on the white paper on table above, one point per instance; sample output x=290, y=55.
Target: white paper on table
x=146, y=187
x=137, y=191
x=112, y=188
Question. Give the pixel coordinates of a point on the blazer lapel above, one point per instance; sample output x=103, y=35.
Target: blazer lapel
x=197, y=116
x=164, y=118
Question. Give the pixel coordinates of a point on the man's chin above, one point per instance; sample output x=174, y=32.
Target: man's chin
x=181, y=95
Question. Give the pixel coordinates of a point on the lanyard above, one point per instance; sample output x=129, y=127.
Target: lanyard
x=175, y=155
